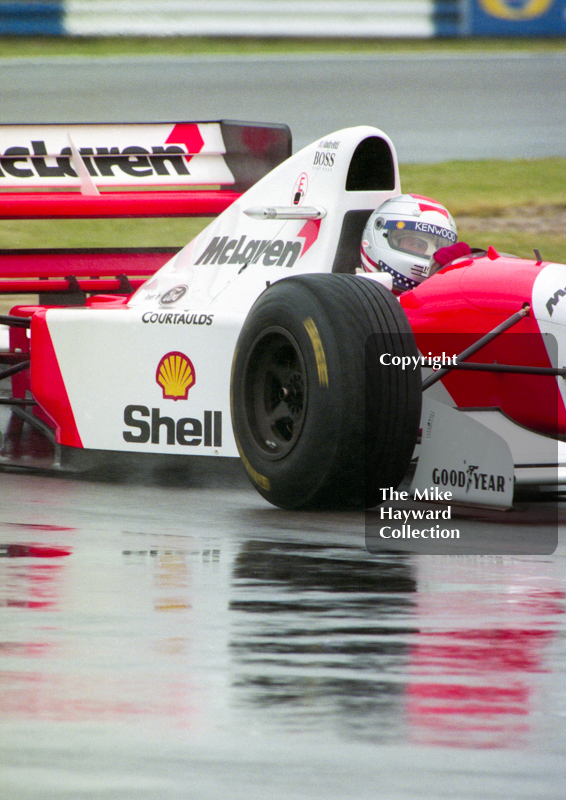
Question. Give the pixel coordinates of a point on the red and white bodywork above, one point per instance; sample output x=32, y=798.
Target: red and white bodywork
x=150, y=372
x=466, y=301
x=521, y=414
x=105, y=392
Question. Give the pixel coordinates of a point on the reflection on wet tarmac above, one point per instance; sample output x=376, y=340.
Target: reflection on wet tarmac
x=444, y=651
x=388, y=648
x=479, y=665
x=192, y=632
x=321, y=637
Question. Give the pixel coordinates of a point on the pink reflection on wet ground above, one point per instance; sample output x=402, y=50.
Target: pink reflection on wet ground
x=73, y=698
x=477, y=663
x=33, y=551
x=434, y=651
x=102, y=649
x=30, y=575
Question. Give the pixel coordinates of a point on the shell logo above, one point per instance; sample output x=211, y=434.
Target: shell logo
x=400, y=224
x=175, y=374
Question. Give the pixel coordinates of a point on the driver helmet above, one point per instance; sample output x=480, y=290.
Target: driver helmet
x=401, y=236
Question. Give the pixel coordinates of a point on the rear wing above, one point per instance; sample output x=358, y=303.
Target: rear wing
x=182, y=169
x=141, y=169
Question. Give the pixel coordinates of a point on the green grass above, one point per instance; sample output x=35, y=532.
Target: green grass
x=489, y=199
x=508, y=204
x=484, y=188
x=46, y=47
x=166, y=232
x=551, y=248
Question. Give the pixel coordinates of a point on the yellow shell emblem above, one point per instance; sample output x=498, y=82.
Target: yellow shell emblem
x=175, y=374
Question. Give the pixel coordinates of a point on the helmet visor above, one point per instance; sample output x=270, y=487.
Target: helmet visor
x=417, y=239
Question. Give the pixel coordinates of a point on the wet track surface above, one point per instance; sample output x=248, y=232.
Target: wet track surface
x=159, y=641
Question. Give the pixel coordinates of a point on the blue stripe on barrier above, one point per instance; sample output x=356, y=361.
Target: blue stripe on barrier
x=447, y=18
x=32, y=19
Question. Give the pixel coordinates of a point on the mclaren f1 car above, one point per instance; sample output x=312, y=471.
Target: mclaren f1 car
x=260, y=340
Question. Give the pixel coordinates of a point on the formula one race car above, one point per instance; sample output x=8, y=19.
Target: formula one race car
x=260, y=340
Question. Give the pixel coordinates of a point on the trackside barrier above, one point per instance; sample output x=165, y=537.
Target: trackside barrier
x=339, y=18
x=298, y=18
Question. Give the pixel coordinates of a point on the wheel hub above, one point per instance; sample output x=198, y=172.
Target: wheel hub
x=276, y=394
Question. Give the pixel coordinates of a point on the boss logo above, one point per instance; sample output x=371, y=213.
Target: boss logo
x=324, y=159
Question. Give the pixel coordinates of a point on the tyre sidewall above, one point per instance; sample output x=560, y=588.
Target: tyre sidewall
x=294, y=480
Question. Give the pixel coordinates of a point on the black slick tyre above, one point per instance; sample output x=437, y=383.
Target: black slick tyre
x=322, y=419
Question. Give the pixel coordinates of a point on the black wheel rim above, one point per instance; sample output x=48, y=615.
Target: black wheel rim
x=275, y=392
